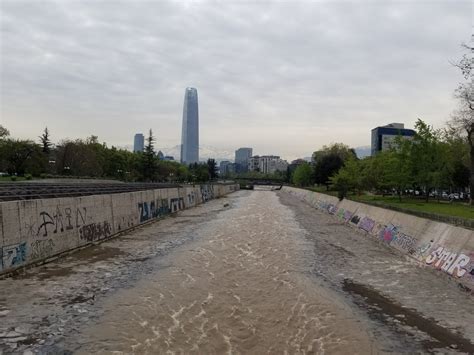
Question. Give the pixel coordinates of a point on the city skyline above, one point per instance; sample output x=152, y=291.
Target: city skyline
x=274, y=76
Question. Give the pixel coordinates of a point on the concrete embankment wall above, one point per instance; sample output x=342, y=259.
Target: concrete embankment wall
x=445, y=247
x=32, y=231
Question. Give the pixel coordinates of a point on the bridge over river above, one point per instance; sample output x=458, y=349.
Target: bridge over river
x=256, y=272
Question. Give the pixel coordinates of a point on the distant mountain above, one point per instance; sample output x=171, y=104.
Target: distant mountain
x=363, y=152
x=205, y=152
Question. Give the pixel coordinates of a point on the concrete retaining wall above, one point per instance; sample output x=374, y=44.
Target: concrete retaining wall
x=447, y=248
x=35, y=230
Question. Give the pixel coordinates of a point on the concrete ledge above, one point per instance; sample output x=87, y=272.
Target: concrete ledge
x=34, y=231
x=444, y=247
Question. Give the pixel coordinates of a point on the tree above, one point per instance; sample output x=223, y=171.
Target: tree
x=327, y=166
x=426, y=156
x=198, y=172
x=463, y=119
x=460, y=175
x=45, y=142
x=373, y=171
x=341, y=150
x=302, y=175
x=19, y=156
x=398, y=165
x=466, y=65
x=149, y=159
x=212, y=169
x=349, y=177
x=4, y=133
x=80, y=158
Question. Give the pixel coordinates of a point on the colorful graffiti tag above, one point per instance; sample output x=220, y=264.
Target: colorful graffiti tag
x=14, y=255
x=458, y=264
x=451, y=263
x=153, y=209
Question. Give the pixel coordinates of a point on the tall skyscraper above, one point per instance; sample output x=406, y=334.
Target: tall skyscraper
x=190, y=132
x=138, y=143
x=242, y=157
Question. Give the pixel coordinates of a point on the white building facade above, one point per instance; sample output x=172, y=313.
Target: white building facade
x=267, y=164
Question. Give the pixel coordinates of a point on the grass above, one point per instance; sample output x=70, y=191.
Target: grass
x=456, y=209
x=322, y=189
x=443, y=208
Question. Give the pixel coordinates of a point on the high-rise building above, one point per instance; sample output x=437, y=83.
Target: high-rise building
x=190, y=131
x=267, y=164
x=225, y=168
x=383, y=138
x=242, y=157
x=138, y=142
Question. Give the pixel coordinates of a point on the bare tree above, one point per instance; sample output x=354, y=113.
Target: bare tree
x=462, y=120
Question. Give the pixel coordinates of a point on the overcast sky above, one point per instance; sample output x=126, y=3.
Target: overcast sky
x=281, y=77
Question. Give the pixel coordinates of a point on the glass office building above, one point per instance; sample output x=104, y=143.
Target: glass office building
x=138, y=143
x=383, y=138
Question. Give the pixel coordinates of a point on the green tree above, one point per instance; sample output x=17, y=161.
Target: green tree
x=198, y=172
x=373, y=172
x=302, y=175
x=45, y=142
x=426, y=156
x=19, y=156
x=325, y=167
x=212, y=169
x=343, y=151
x=398, y=166
x=348, y=178
x=149, y=159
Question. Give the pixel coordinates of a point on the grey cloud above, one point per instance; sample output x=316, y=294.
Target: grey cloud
x=284, y=77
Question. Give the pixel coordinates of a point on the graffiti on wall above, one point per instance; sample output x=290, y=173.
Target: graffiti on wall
x=29, y=229
x=95, y=231
x=176, y=204
x=207, y=192
x=191, y=198
x=420, y=251
x=449, y=262
x=332, y=209
x=125, y=222
x=340, y=213
x=60, y=220
x=391, y=234
x=355, y=219
x=439, y=257
x=377, y=229
x=42, y=248
x=470, y=267
x=153, y=209
x=366, y=224
x=347, y=215
x=13, y=255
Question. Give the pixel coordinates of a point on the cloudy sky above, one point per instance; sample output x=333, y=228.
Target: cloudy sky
x=283, y=77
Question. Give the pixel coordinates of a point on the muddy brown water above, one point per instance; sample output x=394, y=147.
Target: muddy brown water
x=241, y=287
